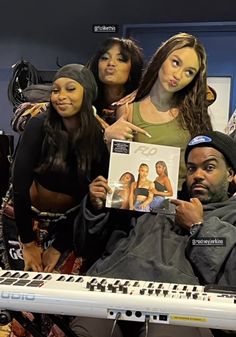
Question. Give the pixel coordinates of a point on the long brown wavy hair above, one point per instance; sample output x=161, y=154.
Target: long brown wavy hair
x=191, y=100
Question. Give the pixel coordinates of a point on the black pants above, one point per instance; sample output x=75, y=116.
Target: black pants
x=12, y=245
x=46, y=230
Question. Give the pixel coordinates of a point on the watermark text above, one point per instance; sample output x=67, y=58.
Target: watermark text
x=105, y=28
x=205, y=241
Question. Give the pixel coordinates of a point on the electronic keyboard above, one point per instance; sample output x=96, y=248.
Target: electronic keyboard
x=134, y=300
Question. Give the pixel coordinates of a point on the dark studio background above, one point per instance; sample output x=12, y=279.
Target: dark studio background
x=43, y=31
x=47, y=32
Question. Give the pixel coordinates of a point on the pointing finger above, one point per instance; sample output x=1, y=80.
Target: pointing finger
x=195, y=201
x=138, y=129
x=176, y=202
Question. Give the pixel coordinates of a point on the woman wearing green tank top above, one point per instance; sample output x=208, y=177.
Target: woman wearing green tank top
x=170, y=106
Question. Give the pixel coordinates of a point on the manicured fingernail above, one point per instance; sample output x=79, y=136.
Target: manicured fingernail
x=148, y=135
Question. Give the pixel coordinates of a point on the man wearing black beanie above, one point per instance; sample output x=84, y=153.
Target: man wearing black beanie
x=218, y=140
x=197, y=245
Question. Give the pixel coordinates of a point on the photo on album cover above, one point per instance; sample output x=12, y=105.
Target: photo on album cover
x=143, y=177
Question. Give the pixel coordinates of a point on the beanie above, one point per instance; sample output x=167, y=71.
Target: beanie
x=218, y=140
x=81, y=74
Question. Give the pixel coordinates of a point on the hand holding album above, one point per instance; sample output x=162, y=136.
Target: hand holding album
x=142, y=176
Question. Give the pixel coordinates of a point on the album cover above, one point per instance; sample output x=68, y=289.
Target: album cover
x=143, y=177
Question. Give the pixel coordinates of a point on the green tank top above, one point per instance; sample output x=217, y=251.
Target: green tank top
x=168, y=133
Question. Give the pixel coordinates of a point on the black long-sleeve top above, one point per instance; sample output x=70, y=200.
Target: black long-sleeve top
x=28, y=154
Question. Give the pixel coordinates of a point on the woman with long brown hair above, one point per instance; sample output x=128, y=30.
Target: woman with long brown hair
x=171, y=103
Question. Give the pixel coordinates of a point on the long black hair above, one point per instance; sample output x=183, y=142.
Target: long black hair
x=84, y=146
x=130, y=51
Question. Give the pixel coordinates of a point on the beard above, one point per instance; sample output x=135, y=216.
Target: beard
x=211, y=194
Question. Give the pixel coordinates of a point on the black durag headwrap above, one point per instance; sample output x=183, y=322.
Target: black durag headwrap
x=80, y=74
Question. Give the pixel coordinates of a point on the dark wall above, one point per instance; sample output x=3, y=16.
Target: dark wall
x=43, y=55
